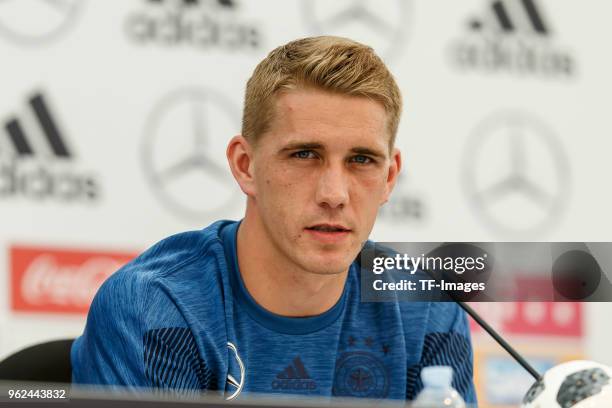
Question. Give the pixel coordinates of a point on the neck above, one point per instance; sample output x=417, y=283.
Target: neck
x=275, y=282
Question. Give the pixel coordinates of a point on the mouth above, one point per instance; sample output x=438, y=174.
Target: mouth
x=328, y=228
x=328, y=233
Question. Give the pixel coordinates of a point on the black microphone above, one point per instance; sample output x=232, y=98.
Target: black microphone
x=576, y=275
x=499, y=339
x=453, y=249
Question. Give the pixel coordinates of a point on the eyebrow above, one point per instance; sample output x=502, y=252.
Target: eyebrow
x=315, y=145
x=301, y=145
x=368, y=151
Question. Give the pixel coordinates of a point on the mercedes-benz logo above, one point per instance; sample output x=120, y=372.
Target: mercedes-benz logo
x=516, y=174
x=384, y=25
x=183, y=152
x=233, y=383
x=36, y=21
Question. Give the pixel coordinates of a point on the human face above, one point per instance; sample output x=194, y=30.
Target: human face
x=320, y=173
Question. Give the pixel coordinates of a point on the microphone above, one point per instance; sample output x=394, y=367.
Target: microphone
x=499, y=339
x=455, y=249
x=576, y=275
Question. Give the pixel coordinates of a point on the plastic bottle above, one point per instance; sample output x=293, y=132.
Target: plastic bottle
x=438, y=391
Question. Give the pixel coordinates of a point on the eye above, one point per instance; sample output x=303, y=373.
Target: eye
x=361, y=159
x=304, y=154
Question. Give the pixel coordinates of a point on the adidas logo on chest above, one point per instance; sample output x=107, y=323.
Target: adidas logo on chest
x=294, y=377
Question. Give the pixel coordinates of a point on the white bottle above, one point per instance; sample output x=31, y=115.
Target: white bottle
x=438, y=391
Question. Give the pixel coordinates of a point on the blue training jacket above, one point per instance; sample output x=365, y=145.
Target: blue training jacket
x=179, y=318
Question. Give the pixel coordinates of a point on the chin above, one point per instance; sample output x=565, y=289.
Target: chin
x=327, y=269
x=324, y=264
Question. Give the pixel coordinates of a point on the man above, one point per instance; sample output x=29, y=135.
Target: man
x=271, y=304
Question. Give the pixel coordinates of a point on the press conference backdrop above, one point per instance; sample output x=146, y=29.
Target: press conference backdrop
x=115, y=115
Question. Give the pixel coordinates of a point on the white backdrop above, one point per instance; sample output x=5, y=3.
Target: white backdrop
x=505, y=133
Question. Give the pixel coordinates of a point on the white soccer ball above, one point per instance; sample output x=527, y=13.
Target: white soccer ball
x=575, y=384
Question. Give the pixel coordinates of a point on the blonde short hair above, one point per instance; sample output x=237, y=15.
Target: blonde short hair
x=329, y=63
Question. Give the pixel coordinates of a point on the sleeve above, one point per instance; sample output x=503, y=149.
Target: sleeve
x=110, y=350
x=136, y=339
x=447, y=341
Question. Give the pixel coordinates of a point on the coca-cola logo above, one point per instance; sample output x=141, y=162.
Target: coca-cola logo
x=64, y=281
x=46, y=280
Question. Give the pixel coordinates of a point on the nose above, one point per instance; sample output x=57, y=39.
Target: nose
x=333, y=187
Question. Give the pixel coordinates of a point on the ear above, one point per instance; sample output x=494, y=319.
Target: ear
x=240, y=158
x=395, y=166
